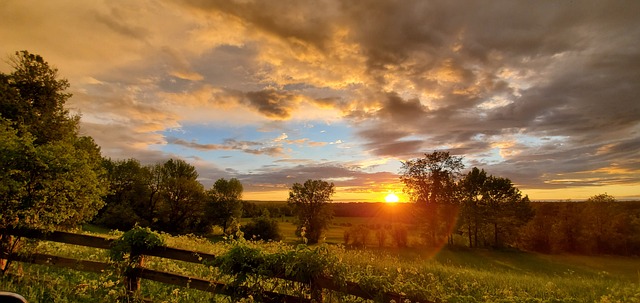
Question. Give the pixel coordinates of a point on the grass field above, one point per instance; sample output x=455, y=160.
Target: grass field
x=447, y=275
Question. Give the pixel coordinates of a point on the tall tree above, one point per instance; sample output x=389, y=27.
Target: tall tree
x=311, y=203
x=431, y=184
x=224, y=202
x=181, y=206
x=33, y=96
x=505, y=208
x=470, y=190
x=50, y=177
x=597, y=215
x=126, y=203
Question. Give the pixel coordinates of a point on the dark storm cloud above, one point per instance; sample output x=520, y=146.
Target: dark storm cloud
x=291, y=20
x=271, y=103
x=401, y=110
x=577, y=66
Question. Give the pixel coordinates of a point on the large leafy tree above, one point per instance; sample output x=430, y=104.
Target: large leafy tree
x=431, y=179
x=181, y=207
x=431, y=184
x=505, y=207
x=51, y=177
x=470, y=189
x=311, y=203
x=33, y=96
x=165, y=195
x=127, y=203
x=491, y=206
x=224, y=202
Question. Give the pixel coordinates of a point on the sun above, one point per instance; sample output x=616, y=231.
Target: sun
x=391, y=198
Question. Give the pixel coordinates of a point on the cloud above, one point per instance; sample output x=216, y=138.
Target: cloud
x=270, y=103
x=544, y=93
x=342, y=176
x=250, y=147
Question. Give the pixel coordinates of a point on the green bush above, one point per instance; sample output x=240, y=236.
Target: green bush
x=262, y=228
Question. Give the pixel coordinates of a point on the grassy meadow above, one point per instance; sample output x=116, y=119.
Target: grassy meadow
x=444, y=275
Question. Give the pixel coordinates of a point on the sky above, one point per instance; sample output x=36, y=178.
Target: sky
x=545, y=93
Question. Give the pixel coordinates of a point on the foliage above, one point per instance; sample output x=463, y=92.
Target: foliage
x=431, y=181
x=357, y=235
x=505, y=208
x=134, y=242
x=262, y=228
x=181, y=206
x=400, y=235
x=224, y=204
x=311, y=202
x=50, y=177
x=450, y=276
x=303, y=264
x=166, y=196
x=129, y=201
x=602, y=227
x=492, y=209
x=276, y=209
x=33, y=97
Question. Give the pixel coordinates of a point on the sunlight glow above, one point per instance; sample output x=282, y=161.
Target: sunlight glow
x=391, y=198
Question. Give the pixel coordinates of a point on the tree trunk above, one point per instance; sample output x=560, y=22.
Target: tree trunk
x=475, y=235
x=469, y=234
x=495, y=234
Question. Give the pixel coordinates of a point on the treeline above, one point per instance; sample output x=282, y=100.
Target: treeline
x=487, y=210
x=600, y=225
x=167, y=196
x=252, y=209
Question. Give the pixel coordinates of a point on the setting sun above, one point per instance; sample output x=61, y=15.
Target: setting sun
x=391, y=198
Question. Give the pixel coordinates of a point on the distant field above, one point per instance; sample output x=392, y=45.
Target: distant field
x=614, y=267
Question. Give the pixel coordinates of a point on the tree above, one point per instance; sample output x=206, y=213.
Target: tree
x=224, y=204
x=181, y=206
x=126, y=203
x=311, y=203
x=431, y=185
x=505, y=208
x=50, y=177
x=262, y=228
x=33, y=96
x=597, y=215
x=491, y=206
x=470, y=195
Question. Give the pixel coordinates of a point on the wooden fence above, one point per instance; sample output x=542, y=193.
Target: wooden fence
x=140, y=272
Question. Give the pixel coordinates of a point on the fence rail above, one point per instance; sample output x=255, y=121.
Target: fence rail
x=197, y=257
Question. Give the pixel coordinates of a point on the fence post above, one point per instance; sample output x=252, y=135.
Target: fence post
x=316, y=292
x=6, y=247
x=132, y=277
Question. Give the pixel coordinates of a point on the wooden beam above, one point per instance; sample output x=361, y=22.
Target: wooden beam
x=211, y=286
x=180, y=254
x=45, y=259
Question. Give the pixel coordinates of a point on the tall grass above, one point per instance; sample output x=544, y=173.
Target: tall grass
x=445, y=276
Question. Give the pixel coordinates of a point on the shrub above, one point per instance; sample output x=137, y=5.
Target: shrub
x=262, y=228
x=357, y=235
x=399, y=235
